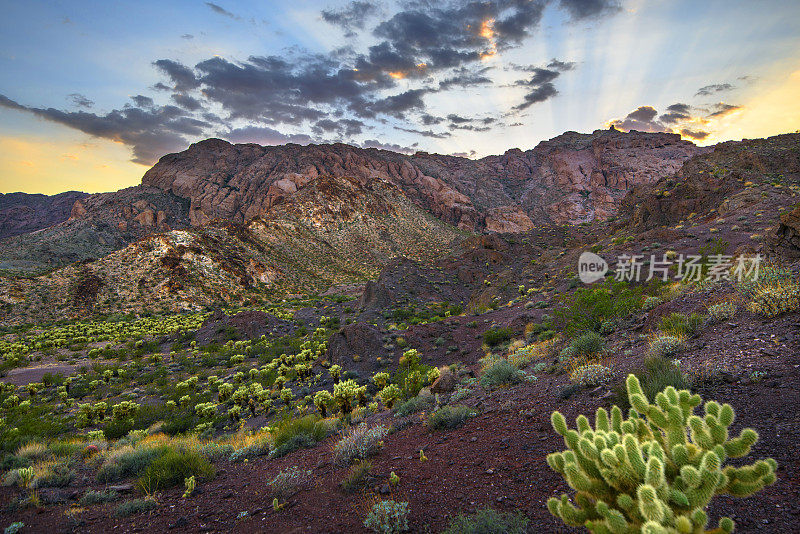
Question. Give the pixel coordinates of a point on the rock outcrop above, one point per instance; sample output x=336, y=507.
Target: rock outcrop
x=21, y=213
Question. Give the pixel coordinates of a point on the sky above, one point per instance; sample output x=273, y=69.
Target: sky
x=93, y=93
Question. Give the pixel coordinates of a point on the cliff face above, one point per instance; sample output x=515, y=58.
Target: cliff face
x=572, y=178
x=21, y=213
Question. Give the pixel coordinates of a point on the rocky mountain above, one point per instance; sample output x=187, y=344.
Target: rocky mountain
x=21, y=213
x=572, y=178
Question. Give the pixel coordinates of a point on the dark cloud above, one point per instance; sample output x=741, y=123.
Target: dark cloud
x=679, y=108
x=395, y=105
x=374, y=143
x=583, y=9
x=429, y=120
x=464, y=77
x=219, y=10
x=143, y=101
x=561, y=65
x=464, y=154
x=263, y=136
x=347, y=127
x=698, y=135
x=425, y=133
x=642, y=119
x=186, y=102
x=721, y=109
x=150, y=132
x=187, y=36
x=714, y=88
x=80, y=100
x=540, y=86
x=181, y=76
x=352, y=16
x=457, y=119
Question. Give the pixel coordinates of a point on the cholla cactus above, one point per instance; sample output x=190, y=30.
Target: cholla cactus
x=323, y=399
x=190, y=483
x=381, y=379
x=389, y=395
x=654, y=473
x=336, y=372
x=343, y=393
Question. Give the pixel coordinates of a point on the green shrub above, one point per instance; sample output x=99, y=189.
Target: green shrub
x=656, y=375
x=665, y=345
x=488, y=521
x=592, y=374
x=587, y=344
x=292, y=434
x=500, y=372
x=775, y=291
x=134, y=506
x=415, y=404
x=656, y=472
x=722, y=311
x=288, y=481
x=97, y=497
x=680, y=324
x=388, y=517
x=588, y=307
x=357, y=476
x=450, y=417
x=172, y=468
x=359, y=443
x=496, y=336
x=129, y=463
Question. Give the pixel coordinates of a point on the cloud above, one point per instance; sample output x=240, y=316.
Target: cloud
x=721, y=109
x=80, y=100
x=464, y=154
x=698, y=135
x=219, y=10
x=353, y=16
x=425, y=133
x=181, y=76
x=150, y=132
x=187, y=36
x=714, y=88
x=186, y=102
x=584, y=9
x=464, y=78
x=143, y=101
x=374, y=143
x=642, y=119
x=347, y=127
x=263, y=136
x=540, y=85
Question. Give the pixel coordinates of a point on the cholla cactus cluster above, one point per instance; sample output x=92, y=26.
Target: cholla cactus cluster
x=656, y=472
x=592, y=374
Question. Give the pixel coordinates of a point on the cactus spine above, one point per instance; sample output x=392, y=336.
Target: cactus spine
x=656, y=471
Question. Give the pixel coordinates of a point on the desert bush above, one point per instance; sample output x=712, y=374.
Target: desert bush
x=592, y=374
x=665, y=345
x=775, y=291
x=388, y=517
x=359, y=443
x=288, y=481
x=292, y=434
x=96, y=497
x=530, y=353
x=171, y=468
x=357, y=476
x=651, y=302
x=450, y=417
x=496, y=336
x=488, y=521
x=127, y=462
x=55, y=475
x=722, y=311
x=655, y=472
x=681, y=324
x=588, y=344
x=588, y=307
x=415, y=404
x=134, y=506
x=499, y=372
x=33, y=451
x=655, y=375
